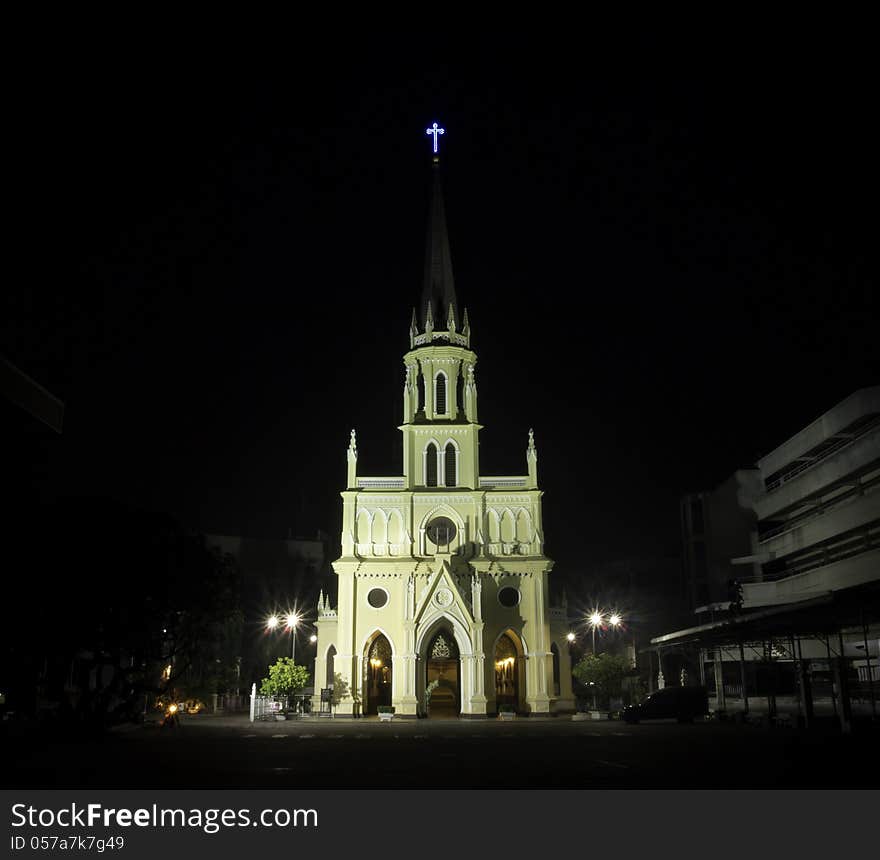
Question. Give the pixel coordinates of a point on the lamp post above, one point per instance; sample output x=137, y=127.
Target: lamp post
x=291, y=623
x=596, y=618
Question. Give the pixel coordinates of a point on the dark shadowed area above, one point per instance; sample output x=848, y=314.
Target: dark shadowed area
x=669, y=268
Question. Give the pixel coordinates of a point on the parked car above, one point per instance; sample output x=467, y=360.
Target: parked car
x=681, y=703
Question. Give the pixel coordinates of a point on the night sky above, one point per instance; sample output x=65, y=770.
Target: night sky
x=669, y=264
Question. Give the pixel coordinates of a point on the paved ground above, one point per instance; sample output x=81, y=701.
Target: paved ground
x=229, y=752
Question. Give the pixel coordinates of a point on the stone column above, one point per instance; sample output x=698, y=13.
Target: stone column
x=346, y=661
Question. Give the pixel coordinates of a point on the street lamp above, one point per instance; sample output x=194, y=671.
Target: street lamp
x=596, y=618
x=291, y=623
x=570, y=636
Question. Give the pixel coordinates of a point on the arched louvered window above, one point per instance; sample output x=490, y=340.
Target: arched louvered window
x=449, y=465
x=440, y=394
x=431, y=465
x=420, y=384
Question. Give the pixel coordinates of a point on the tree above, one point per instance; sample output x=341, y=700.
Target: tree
x=605, y=672
x=341, y=691
x=285, y=678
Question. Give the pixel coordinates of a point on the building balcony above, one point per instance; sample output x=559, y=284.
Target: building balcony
x=849, y=416
x=853, y=514
x=846, y=573
x=849, y=462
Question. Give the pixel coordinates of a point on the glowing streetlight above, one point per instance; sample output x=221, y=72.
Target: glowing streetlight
x=615, y=620
x=313, y=638
x=291, y=623
x=571, y=637
x=596, y=618
x=272, y=622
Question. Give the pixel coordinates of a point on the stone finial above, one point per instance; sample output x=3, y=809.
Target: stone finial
x=532, y=460
x=450, y=318
x=429, y=321
x=352, y=461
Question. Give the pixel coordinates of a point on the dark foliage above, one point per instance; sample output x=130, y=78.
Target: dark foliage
x=103, y=598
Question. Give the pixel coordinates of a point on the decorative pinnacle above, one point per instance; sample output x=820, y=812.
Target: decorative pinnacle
x=531, y=439
x=352, y=445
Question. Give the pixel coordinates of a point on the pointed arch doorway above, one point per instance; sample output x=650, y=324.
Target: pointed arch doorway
x=443, y=676
x=509, y=670
x=377, y=674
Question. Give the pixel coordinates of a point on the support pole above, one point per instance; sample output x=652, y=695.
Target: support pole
x=868, y=665
x=771, y=687
x=843, y=687
x=720, y=700
x=742, y=679
x=253, y=700
x=834, y=687
x=804, y=686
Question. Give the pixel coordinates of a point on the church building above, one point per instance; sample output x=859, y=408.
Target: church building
x=443, y=586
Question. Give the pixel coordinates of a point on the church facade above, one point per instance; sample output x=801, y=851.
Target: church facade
x=443, y=586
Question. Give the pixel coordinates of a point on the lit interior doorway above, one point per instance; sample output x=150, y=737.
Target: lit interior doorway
x=377, y=674
x=443, y=699
x=507, y=667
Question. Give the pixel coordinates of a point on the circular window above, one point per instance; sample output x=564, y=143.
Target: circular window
x=377, y=597
x=508, y=596
x=441, y=531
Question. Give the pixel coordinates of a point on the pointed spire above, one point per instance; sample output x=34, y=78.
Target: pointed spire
x=429, y=321
x=413, y=330
x=438, y=293
x=450, y=319
x=466, y=327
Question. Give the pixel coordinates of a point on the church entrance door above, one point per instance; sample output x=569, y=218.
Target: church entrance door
x=377, y=675
x=507, y=672
x=443, y=696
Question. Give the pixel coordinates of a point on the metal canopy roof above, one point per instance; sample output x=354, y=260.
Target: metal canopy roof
x=826, y=613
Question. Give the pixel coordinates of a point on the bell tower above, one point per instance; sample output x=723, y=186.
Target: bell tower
x=440, y=429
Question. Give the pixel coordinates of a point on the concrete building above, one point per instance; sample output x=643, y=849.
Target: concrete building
x=806, y=619
x=716, y=527
x=818, y=517
x=443, y=583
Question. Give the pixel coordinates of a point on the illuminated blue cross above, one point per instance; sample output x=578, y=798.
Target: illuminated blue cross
x=435, y=131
